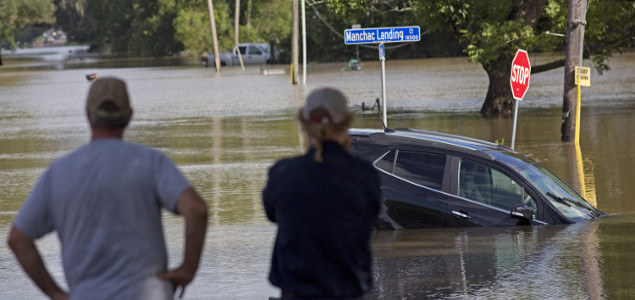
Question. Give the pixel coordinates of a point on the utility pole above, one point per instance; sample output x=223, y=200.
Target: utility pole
x=212, y=24
x=294, y=42
x=574, y=48
x=303, y=44
x=249, y=4
x=236, y=32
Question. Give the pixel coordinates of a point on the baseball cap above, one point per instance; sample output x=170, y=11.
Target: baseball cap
x=109, y=89
x=331, y=100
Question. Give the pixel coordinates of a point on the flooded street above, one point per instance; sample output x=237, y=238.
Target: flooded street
x=224, y=131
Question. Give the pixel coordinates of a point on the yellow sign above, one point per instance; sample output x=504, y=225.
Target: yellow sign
x=583, y=76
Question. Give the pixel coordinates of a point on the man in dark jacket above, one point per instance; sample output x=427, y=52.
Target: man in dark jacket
x=325, y=203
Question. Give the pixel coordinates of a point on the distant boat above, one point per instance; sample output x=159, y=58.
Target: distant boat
x=91, y=77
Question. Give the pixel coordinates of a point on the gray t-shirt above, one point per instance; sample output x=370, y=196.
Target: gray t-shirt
x=104, y=200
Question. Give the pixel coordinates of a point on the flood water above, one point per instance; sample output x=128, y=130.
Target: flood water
x=224, y=131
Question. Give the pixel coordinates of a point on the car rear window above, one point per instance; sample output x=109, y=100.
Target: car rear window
x=421, y=168
x=387, y=162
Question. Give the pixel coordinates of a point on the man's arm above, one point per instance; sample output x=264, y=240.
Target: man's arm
x=31, y=261
x=194, y=210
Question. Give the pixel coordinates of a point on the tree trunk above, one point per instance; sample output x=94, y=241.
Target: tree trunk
x=499, y=101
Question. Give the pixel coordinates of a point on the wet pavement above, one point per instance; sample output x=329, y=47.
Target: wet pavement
x=225, y=130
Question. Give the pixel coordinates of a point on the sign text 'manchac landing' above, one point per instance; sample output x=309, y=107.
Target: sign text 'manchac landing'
x=382, y=35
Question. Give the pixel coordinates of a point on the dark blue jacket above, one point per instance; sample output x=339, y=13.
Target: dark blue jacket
x=325, y=214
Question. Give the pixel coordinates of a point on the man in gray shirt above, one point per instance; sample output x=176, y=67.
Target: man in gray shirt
x=104, y=200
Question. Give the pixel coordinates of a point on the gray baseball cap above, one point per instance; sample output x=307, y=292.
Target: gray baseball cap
x=109, y=89
x=331, y=100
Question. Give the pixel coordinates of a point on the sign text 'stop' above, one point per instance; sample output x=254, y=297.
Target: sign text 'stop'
x=382, y=35
x=520, y=73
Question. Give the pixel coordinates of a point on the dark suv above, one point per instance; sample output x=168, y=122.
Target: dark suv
x=431, y=179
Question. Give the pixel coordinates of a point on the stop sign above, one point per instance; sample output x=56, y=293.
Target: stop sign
x=519, y=79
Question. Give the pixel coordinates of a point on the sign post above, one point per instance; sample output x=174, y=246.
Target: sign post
x=381, y=36
x=382, y=58
x=519, y=82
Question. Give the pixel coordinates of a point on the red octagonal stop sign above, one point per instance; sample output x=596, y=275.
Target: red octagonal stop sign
x=519, y=79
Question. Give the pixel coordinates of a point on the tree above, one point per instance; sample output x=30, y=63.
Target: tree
x=163, y=27
x=132, y=27
x=70, y=17
x=491, y=32
x=269, y=22
x=192, y=26
x=17, y=14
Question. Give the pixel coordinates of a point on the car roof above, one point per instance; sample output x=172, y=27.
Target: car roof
x=432, y=139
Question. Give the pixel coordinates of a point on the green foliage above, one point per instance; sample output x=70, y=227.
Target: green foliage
x=187, y=29
x=17, y=14
x=70, y=15
x=132, y=27
x=488, y=30
x=271, y=21
x=163, y=27
x=610, y=28
x=193, y=28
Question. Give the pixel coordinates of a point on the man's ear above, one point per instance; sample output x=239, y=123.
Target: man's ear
x=91, y=118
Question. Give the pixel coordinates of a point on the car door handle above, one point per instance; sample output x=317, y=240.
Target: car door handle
x=461, y=214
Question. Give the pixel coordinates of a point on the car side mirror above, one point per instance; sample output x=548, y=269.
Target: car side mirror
x=524, y=213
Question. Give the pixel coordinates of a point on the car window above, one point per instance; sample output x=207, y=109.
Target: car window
x=387, y=162
x=254, y=50
x=487, y=185
x=242, y=49
x=420, y=167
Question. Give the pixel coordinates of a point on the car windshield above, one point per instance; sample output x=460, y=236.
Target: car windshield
x=561, y=195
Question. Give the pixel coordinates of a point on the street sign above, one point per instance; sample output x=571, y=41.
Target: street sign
x=382, y=35
x=583, y=76
x=521, y=70
x=358, y=35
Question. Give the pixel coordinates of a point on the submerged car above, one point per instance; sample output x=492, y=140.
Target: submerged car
x=432, y=179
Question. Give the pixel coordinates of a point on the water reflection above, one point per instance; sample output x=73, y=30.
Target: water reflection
x=540, y=262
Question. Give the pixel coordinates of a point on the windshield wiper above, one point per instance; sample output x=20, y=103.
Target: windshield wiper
x=567, y=201
x=559, y=199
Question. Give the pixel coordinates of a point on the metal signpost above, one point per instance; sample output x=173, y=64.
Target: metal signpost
x=382, y=58
x=519, y=82
x=381, y=36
